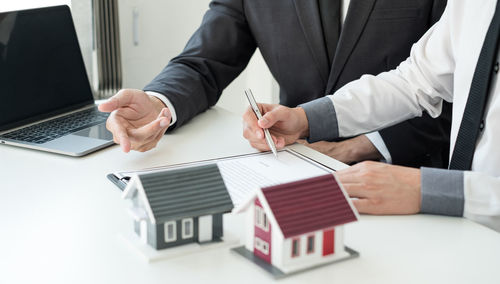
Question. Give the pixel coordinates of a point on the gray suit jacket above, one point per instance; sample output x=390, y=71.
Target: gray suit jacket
x=377, y=35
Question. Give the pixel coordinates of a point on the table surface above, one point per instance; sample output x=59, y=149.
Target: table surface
x=61, y=222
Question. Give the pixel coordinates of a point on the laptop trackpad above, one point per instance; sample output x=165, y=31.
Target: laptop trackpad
x=97, y=132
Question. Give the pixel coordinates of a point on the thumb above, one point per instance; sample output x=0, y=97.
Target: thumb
x=161, y=123
x=279, y=113
x=164, y=113
x=124, y=141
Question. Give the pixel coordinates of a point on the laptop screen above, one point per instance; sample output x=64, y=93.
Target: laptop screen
x=41, y=67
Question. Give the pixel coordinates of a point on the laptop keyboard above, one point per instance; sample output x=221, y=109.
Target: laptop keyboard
x=52, y=129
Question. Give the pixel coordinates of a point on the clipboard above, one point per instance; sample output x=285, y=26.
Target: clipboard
x=242, y=173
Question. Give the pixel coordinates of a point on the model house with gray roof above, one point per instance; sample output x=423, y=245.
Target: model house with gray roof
x=180, y=206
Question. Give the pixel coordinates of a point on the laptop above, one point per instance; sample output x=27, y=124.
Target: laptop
x=46, y=101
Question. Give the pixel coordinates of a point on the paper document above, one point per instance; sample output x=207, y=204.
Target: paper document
x=244, y=174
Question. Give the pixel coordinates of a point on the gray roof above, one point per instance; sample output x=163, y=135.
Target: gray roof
x=187, y=192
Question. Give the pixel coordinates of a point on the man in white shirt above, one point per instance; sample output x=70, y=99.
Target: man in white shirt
x=456, y=60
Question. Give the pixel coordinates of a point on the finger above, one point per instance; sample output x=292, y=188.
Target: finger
x=165, y=112
x=256, y=139
x=259, y=145
x=144, y=134
x=152, y=143
x=259, y=134
x=357, y=190
x=364, y=206
x=253, y=134
x=155, y=128
x=313, y=146
x=277, y=142
x=117, y=127
x=280, y=142
x=349, y=171
x=249, y=117
x=250, y=125
x=273, y=116
x=124, y=142
x=348, y=175
x=279, y=113
x=302, y=141
x=121, y=99
x=348, y=178
x=146, y=147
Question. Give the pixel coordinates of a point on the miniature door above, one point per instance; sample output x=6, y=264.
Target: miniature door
x=328, y=242
x=205, y=228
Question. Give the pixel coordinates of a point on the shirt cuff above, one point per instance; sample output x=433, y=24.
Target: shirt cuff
x=322, y=120
x=167, y=102
x=442, y=192
x=379, y=143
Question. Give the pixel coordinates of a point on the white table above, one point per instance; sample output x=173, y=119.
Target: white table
x=61, y=220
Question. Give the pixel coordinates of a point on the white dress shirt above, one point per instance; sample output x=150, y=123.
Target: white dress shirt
x=440, y=67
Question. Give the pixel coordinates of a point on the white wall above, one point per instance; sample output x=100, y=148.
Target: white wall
x=81, y=11
x=9, y=5
x=163, y=29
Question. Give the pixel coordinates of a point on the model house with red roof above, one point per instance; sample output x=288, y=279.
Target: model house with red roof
x=297, y=226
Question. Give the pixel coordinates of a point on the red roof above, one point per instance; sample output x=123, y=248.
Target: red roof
x=308, y=205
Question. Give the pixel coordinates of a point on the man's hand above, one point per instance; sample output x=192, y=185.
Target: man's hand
x=382, y=189
x=137, y=120
x=349, y=151
x=285, y=124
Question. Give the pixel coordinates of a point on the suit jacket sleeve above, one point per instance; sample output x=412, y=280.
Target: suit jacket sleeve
x=422, y=141
x=216, y=54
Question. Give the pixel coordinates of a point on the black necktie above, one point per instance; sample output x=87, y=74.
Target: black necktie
x=329, y=11
x=472, y=123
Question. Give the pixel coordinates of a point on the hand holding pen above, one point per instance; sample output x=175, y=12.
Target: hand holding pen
x=285, y=125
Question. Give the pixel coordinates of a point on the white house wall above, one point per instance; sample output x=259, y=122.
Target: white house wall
x=276, y=247
x=339, y=239
x=249, y=227
x=305, y=260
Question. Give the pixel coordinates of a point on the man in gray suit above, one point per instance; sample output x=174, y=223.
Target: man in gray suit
x=312, y=48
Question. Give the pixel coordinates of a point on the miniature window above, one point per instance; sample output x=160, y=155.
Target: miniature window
x=258, y=242
x=261, y=246
x=295, y=247
x=265, y=248
x=265, y=223
x=187, y=228
x=257, y=216
x=310, y=244
x=261, y=220
x=170, y=232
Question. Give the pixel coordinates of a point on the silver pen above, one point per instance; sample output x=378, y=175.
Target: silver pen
x=256, y=110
